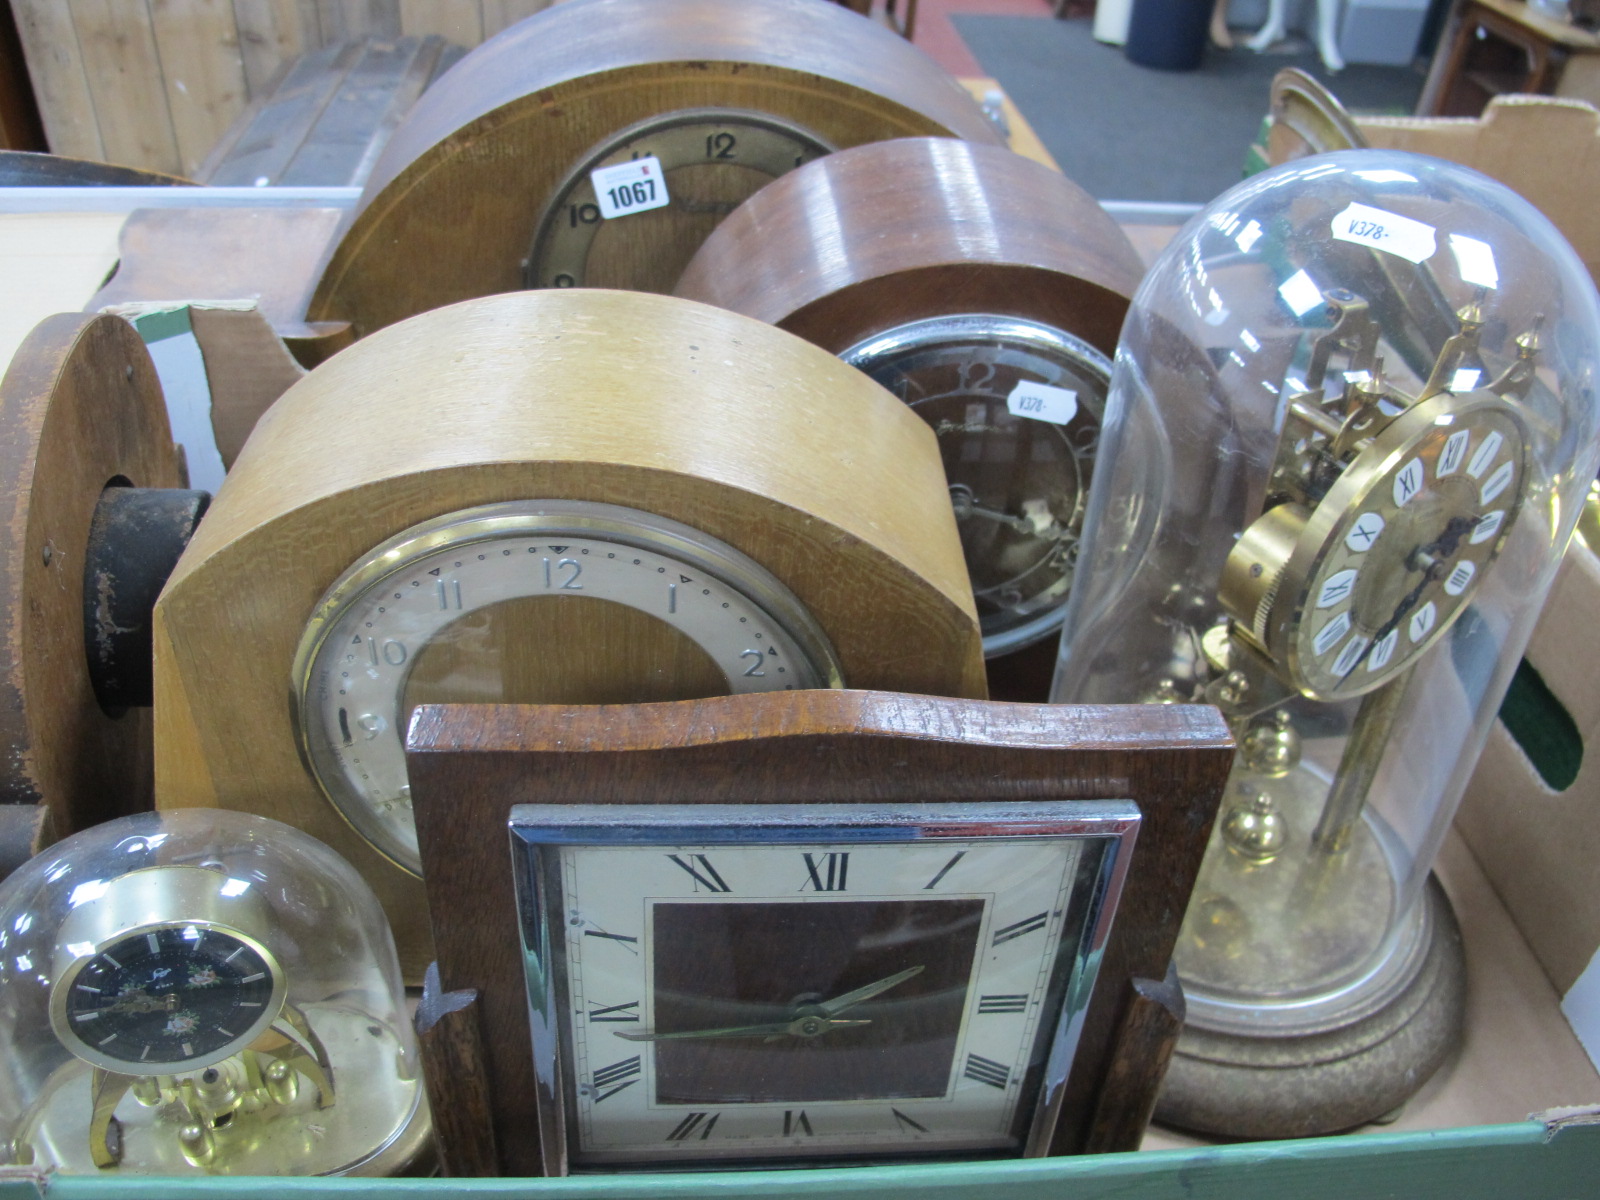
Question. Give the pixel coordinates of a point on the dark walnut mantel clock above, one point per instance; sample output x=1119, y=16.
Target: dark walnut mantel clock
x=598, y=142
x=802, y=928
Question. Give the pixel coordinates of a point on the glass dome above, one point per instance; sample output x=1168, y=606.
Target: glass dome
x=202, y=992
x=1351, y=423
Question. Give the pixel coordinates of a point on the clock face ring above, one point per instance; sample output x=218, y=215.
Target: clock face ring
x=1398, y=547
x=1018, y=484
x=435, y=586
x=167, y=996
x=712, y=159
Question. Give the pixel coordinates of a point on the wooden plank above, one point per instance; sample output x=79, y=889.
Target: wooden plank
x=458, y=21
x=497, y=14
x=272, y=33
x=56, y=64
x=344, y=19
x=124, y=73
x=277, y=131
x=337, y=150
x=202, y=70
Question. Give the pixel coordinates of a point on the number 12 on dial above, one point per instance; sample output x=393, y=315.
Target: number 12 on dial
x=758, y=983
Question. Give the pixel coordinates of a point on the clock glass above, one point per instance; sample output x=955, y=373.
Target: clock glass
x=168, y=995
x=531, y=602
x=1349, y=430
x=1016, y=405
x=711, y=159
x=750, y=984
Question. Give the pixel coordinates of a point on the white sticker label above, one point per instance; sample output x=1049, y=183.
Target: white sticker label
x=629, y=187
x=1367, y=226
x=1042, y=402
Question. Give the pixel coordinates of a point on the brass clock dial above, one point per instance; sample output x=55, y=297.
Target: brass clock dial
x=712, y=159
x=1347, y=596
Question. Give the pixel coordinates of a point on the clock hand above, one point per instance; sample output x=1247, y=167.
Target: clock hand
x=850, y=999
x=806, y=1026
x=1445, y=547
x=822, y=1017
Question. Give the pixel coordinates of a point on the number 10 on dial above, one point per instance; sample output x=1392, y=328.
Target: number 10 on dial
x=811, y=983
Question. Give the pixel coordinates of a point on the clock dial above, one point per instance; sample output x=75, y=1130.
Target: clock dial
x=712, y=159
x=1016, y=406
x=1347, y=596
x=733, y=1001
x=167, y=997
x=474, y=606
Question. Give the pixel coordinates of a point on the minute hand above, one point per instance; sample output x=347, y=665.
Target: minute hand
x=811, y=1027
x=850, y=999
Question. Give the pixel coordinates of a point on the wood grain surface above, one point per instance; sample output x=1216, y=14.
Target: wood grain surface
x=873, y=237
x=80, y=407
x=717, y=421
x=452, y=204
x=469, y=764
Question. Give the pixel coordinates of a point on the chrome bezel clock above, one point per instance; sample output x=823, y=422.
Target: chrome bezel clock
x=364, y=637
x=1018, y=483
x=749, y=985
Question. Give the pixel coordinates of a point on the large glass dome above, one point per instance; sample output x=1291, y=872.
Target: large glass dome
x=1351, y=422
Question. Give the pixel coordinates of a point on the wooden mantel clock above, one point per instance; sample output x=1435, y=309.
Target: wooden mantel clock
x=559, y=497
x=814, y=928
x=489, y=184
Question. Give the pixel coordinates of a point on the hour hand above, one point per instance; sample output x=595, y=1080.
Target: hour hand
x=807, y=1026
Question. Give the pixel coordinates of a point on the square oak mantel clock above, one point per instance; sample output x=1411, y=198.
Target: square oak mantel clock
x=802, y=928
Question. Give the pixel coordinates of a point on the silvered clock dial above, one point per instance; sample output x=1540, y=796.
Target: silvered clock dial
x=477, y=605
x=712, y=160
x=749, y=984
x=1016, y=405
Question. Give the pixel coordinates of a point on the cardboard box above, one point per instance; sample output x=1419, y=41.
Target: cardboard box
x=1545, y=149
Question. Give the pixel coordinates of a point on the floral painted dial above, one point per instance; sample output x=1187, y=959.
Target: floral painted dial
x=712, y=159
x=531, y=602
x=1348, y=595
x=166, y=998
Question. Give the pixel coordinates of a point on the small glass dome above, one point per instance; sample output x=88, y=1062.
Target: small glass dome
x=204, y=992
x=1351, y=423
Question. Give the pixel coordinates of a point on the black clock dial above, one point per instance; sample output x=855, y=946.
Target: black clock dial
x=732, y=964
x=173, y=994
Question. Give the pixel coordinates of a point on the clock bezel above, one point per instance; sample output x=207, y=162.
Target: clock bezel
x=1107, y=830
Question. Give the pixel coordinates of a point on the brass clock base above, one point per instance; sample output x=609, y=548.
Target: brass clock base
x=1282, y=1087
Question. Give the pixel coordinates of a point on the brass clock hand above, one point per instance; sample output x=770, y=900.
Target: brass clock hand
x=850, y=999
x=807, y=1026
x=1434, y=556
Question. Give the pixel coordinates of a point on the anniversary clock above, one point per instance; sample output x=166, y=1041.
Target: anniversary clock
x=568, y=497
x=986, y=291
x=1389, y=363
x=598, y=142
x=203, y=992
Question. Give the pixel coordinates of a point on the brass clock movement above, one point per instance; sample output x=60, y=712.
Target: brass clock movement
x=559, y=496
x=1353, y=434
x=598, y=142
x=986, y=291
